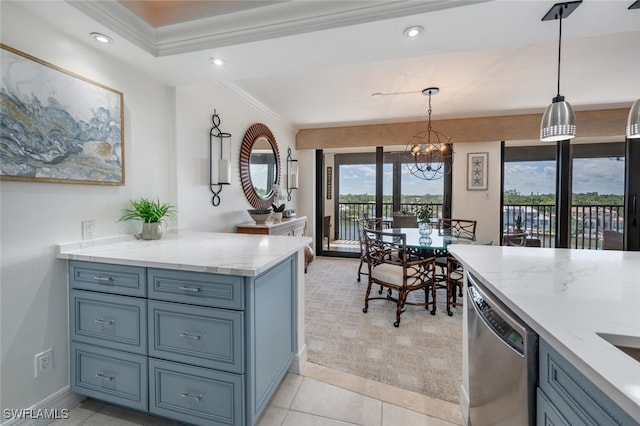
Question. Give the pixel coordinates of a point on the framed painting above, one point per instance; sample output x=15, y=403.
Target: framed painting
x=477, y=170
x=57, y=126
x=329, y=182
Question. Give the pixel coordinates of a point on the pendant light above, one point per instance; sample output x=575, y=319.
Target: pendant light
x=430, y=152
x=559, y=120
x=633, y=122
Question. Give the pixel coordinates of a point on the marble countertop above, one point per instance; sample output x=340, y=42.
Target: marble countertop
x=569, y=297
x=225, y=253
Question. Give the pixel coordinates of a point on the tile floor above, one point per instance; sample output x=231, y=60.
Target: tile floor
x=320, y=397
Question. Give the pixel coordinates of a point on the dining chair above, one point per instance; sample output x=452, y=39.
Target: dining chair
x=370, y=223
x=404, y=221
x=612, y=240
x=452, y=270
x=392, y=267
x=518, y=239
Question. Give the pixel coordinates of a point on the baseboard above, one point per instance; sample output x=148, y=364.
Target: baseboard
x=299, y=362
x=47, y=410
x=464, y=404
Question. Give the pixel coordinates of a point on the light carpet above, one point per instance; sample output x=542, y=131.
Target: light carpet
x=423, y=355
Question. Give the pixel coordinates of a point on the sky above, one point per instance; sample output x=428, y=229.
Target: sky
x=602, y=175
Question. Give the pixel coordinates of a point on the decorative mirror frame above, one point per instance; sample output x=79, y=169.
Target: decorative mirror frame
x=255, y=132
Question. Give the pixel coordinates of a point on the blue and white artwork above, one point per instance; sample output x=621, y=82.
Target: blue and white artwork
x=56, y=126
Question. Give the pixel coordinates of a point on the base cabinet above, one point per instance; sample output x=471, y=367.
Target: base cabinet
x=199, y=348
x=566, y=397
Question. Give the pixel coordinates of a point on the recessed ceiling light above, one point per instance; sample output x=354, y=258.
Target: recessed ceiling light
x=216, y=61
x=101, y=37
x=413, y=31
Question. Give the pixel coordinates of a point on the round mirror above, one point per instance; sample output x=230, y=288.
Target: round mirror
x=259, y=166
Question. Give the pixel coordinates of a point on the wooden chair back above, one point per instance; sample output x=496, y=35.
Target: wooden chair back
x=519, y=239
x=612, y=240
x=404, y=221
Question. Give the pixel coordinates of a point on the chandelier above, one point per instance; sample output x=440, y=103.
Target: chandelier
x=430, y=151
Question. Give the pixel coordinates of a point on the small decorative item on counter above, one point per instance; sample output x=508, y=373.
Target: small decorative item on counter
x=259, y=216
x=278, y=205
x=152, y=213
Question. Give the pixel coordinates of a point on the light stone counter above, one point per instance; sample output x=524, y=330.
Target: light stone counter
x=234, y=254
x=567, y=297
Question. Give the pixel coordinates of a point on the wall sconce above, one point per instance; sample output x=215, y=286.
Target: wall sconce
x=292, y=174
x=219, y=163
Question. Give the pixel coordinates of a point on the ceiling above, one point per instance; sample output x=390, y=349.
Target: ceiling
x=317, y=63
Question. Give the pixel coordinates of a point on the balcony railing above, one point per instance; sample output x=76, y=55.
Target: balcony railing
x=538, y=220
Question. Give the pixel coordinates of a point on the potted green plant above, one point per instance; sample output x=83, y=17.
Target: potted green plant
x=152, y=213
x=518, y=222
x=424, y=219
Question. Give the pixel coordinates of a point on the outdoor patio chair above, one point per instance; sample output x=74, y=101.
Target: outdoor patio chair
x=612, y=240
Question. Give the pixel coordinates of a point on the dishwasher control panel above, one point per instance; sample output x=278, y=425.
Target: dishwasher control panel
x=501, y=327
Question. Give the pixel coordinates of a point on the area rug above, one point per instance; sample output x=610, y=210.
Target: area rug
x=423, y=355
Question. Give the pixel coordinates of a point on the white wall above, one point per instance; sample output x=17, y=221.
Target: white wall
x=194, y=107
x=482, y=206
x=166, y=134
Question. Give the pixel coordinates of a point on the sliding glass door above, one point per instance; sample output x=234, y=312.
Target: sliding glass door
x=369, y=183
x=596, y=175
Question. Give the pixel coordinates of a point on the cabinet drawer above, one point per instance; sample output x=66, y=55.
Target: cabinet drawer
x=546, y=413
x=116, y=377
x=577, y=398
x=118, y=322
x=118, y=279
x=195, y=395
x=207, y=337
x=216, y=290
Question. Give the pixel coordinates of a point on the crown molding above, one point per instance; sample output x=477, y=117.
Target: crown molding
x=275, y=20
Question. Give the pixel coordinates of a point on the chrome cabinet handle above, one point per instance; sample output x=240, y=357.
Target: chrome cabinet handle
x=193, y=397
x=102, y=376
x=102, y=279
x=191, y=289
x=104, y=321
x=187, y=335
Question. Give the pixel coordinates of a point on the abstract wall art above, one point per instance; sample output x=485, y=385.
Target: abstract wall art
x=57, y=126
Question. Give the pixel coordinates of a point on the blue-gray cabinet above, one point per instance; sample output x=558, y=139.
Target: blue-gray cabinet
x=566, y=397
x=196, y=347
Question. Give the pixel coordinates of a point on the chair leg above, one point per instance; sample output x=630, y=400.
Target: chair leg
x=366, y=297
x=360, y=269
x=402, y=297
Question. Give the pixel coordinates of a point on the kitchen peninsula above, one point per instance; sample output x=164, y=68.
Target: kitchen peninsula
x=585, y=307
x=198, y=327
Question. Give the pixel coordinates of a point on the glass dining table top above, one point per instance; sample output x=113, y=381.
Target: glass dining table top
x=432, y=241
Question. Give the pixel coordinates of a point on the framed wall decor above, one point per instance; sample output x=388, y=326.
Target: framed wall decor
x=477, y=170
x=58, y=126
x=329, y=182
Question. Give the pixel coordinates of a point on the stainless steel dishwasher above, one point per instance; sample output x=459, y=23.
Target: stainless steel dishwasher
x=502, y=362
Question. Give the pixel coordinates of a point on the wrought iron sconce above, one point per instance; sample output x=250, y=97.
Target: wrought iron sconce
x=292, y=174
x=219, y=163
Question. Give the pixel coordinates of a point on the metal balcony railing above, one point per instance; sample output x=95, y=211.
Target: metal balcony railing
x=538, y=220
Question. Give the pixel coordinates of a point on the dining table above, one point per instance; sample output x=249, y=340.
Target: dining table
x=430, y=244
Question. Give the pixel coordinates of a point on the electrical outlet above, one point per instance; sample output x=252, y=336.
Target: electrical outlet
x=88, y=229
x=43, y=362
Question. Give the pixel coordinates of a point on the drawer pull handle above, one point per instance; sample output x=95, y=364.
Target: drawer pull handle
x=104, y=321
x=102, y=376
x=191, y=289
x=186, y=335
x=186, y=395
x=102, y=279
